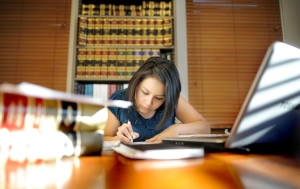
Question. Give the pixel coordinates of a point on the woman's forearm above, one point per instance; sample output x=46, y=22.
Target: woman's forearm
x=197, y=127
x=110, y=138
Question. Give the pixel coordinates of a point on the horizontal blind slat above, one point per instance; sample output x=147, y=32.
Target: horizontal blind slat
x=34, y=45
x=226, y=44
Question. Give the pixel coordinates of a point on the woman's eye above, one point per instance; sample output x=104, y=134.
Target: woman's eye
x=159, y=98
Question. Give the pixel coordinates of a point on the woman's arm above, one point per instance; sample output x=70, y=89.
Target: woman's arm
x=191, y=123
x=111, y=127
x=113, y=130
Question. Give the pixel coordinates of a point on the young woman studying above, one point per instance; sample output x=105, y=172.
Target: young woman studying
x=154, y=90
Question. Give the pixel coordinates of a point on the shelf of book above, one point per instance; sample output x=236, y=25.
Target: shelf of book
x=123, y=47
x=115, y=37
x=99, y=90
x=112, y=16
x=102, y=79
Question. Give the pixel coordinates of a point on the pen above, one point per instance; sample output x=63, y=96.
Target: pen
x=117, y=143
x=131, y=133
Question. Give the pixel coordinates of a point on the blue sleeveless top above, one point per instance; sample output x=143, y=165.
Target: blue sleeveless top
x=145, y=127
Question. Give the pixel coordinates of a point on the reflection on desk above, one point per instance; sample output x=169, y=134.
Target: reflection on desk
x=215, y=170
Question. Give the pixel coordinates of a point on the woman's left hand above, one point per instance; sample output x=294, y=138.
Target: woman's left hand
x=171, y=131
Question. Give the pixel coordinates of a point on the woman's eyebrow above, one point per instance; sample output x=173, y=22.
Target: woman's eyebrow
x=155, y=95
x=145, y=88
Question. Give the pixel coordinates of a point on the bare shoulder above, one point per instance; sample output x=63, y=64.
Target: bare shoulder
x=112, y=124
x=182, y=103
x=186, y=112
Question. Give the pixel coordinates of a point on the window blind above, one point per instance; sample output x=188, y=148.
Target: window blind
x=227, y=40
x=34, y=39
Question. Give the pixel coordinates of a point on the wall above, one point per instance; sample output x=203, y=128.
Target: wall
x=290, y=15
x=181, y=45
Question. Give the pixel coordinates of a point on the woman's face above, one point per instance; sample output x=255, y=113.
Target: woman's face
x=149, y=95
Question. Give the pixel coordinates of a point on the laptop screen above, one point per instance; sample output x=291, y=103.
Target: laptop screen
x=271, y=109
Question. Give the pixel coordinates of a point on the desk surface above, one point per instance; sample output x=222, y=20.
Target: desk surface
x=110, y=170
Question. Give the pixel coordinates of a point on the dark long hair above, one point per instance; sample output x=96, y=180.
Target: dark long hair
x=167, y=73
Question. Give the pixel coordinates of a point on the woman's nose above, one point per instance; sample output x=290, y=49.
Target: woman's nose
x=149, y=101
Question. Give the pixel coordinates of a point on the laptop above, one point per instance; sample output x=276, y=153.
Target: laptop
x=270, y=114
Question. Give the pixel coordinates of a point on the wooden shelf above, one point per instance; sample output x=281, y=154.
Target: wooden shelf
x=102, y=79
x=124, y=47
x=112, y=16
x=166, y=51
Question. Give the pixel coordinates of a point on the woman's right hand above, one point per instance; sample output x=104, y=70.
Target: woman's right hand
x=125, y=133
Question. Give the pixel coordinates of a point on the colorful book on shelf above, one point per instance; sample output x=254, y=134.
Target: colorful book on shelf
x=121, y=63
x=80, y=88
x=96, y=90
x=112, y=63
x=112, y=89
x=89, y=89
x=103, y=90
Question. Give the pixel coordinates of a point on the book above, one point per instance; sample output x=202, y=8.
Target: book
x=32, y=146
x=27, y=106
x=37, y=123
x=158, y=151
x=89, y=89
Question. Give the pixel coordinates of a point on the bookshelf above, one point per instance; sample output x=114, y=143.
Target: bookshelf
x=111, y=40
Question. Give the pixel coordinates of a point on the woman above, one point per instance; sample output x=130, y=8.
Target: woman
x=154, y=91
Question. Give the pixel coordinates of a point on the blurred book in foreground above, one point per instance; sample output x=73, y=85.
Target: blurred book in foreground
x=37, y=122
x=27, y=106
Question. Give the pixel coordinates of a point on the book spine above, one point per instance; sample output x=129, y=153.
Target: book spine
x=167, y=27
x=137, y=59
x=88, y=89
x=90, y=32
x=112, y=63
x=96, y=90
x=90, y=63
x=129, y=63
x=82, y=31
x=113, y=88
x=20, y=112
x=81, y=63
x=104, y=91
x=121, y=63
x=36, y=147
x=104, y=60
x=81, y=88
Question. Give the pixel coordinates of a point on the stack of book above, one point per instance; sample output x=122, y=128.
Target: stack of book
x=148, y=8
x=157, y=8
x=127, y=10
x=111, y=62
x=39, y=124
x=125, y=31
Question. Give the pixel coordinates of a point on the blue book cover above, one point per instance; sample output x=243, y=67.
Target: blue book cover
x=89, y=89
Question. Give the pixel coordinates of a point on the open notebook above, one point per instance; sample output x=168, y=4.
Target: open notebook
x=271, y=110
x=146, y=150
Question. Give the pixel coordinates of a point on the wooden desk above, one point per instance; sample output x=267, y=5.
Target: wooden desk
x=215, y=170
